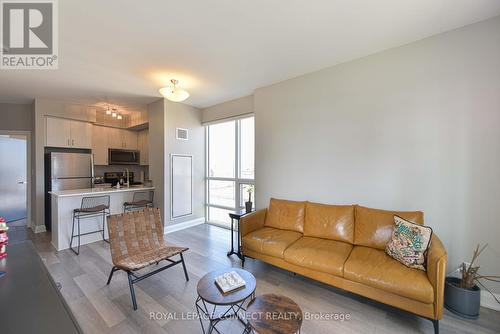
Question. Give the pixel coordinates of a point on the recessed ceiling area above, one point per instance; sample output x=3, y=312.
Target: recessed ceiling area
x=123, y=51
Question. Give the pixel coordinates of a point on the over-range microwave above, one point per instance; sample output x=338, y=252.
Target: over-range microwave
x=123, y=157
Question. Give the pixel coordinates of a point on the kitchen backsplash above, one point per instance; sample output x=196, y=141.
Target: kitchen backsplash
x=100, y=170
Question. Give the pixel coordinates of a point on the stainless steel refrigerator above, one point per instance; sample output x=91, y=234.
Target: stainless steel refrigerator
x=66, y=171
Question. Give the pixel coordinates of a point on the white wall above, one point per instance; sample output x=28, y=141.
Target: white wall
x=183, y=116
x=157, y=158
x=412, y=128
x=233, y=108
x=164, y=118
x=16, y=117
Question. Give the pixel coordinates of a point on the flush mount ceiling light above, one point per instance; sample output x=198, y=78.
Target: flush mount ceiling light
x=174, y=93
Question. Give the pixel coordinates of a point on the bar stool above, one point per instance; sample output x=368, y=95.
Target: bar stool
x=97, y=206
x=141, y=200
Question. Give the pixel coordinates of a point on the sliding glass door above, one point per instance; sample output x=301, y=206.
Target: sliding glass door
x=230, y=168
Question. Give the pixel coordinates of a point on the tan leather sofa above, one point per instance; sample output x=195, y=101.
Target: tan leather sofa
x=343, y=245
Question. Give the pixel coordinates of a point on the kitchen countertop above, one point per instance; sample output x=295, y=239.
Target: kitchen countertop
x=97, y=191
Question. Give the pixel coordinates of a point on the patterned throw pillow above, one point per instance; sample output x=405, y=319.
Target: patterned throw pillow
x=409, y=243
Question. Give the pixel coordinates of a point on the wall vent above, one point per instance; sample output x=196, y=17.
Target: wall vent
x=181, y=134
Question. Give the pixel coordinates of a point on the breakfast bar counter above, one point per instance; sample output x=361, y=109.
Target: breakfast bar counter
x=63, y=203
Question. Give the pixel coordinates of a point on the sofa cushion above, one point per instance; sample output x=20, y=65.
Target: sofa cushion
x=270, y=241
x=318, y=254
x=409, y=243
x=375, y=268
x=373, y=227
x=286, y=215
x=334, y=222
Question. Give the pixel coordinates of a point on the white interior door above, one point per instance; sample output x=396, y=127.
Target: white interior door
x=13, y=177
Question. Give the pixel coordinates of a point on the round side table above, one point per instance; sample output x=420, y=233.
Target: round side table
x=210, y=297
x=274, y=314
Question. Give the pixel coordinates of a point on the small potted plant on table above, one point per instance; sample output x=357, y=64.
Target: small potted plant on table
x=249, y=204
x=462, y=296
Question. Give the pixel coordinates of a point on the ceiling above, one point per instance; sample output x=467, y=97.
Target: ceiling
x=123, y=51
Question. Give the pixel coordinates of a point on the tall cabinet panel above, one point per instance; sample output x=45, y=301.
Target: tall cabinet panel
x=143, y=146
x=100, y=145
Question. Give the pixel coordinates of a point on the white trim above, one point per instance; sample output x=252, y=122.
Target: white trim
x=227, y=119
x=172, y=155
x=39, y=228
x=488, y=301
x=184, y=225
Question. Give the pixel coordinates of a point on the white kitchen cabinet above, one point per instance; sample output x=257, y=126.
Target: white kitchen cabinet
x=122, y=139
x=115, y=138
x=100, y=145
x=81, y=134
x=58, y=132
x=129, y=139
x=62, y=132
x=104, y=138
x=143, y=146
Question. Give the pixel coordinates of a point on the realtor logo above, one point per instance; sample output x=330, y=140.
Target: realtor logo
x=29, y=35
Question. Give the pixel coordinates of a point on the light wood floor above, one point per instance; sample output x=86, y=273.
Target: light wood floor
x=107, y=309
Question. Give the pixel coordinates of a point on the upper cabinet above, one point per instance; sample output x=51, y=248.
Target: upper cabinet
x=129, y=139
x=104, y=138
x=81, y=134
x=67, y=133
x=124, y=139
x=58, y=132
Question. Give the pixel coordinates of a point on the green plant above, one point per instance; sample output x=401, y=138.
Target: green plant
x=471, y=276
x=250, y=190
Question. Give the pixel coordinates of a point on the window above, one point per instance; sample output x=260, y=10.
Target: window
x=230, y=168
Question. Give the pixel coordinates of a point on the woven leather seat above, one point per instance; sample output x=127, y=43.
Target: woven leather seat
x=139, y=261
x=136, y=241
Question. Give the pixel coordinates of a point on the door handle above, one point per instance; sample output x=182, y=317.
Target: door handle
x=72, y=142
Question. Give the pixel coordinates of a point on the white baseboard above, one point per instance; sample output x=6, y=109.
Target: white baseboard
x=184, y=225
x=39, y=228
x=488, y=301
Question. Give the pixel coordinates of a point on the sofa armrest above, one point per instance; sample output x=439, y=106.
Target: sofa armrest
x=252, y=222
x=436, y=272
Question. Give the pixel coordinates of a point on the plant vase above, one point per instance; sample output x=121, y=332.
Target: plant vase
x=462, y=302
x=248, y=207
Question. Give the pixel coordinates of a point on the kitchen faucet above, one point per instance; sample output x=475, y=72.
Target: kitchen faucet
x=127, y=177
